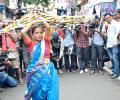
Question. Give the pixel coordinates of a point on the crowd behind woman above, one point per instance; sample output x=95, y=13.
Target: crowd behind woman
x=73, y=47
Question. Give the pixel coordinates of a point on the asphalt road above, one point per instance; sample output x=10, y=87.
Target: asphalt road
x=76, y=86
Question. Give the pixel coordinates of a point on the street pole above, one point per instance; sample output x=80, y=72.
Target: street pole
x=19, y=4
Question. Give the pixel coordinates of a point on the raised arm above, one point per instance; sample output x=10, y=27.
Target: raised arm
x=13, y=36
x=27, y=40
x=48, y=28
x=85, y=32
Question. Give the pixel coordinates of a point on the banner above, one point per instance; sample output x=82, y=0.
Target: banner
x=108, y=7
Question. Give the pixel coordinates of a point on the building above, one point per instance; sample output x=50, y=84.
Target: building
x=9, y=3
x=12, y=4
x=8, y=8
x=2, y=6
x=118, y=4
x=2, y=9
x=68, y=5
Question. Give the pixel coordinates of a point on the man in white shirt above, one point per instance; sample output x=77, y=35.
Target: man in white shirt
x=111, y=32
x=118, y=37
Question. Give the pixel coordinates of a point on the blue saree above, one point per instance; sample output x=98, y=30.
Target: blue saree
x=42, y=79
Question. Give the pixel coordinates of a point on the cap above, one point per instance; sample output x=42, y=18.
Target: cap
x=96, y=17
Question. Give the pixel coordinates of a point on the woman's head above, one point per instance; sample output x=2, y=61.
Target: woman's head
x=37, y=33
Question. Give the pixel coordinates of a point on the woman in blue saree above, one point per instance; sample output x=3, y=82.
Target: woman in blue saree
x=41, y=78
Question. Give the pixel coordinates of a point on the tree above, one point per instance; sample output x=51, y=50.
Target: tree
x=44, y=3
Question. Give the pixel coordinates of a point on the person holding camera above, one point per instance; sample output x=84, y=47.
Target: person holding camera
x=97, y=48
x=57, y=47
x=5, y=79
x=69, y=45
x=9, y=46
x=82, y=43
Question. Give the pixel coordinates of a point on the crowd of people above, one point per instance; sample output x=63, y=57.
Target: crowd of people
x=40, y=51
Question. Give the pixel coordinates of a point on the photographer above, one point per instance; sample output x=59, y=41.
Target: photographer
x=82, y=43
x=5, y=79
x=57, y=51
x=69, y=46
x=9, y=46
x=97, y=47
x=87, y=25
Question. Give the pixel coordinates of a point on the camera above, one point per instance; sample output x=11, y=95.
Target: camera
x=93, y=25
x=77, y=27
x=3, y=56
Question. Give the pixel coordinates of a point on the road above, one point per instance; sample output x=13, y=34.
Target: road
x=76, y=86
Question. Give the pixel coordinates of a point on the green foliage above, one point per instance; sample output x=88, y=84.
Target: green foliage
x=44, y=3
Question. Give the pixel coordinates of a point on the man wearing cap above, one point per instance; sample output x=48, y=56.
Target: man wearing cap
x=97, y=48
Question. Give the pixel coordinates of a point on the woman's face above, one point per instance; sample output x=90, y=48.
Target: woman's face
x=38, y=34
